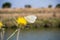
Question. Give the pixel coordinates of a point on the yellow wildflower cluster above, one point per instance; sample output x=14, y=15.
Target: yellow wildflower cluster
x=1, y=24
x=21, y=21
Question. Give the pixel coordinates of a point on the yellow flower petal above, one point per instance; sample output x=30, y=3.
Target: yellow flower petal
x=21, y=21
x=1, y=24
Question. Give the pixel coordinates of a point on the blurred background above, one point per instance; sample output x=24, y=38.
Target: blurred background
x=33, y=3
x=46, y=27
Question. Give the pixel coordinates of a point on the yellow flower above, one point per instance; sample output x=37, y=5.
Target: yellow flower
x=21, y=21
x=1, y=24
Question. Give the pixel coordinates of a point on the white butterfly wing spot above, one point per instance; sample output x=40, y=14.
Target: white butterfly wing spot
x=31, y=18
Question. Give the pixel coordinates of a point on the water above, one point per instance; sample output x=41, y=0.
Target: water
x=44, y=34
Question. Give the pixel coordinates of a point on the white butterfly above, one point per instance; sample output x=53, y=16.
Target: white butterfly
x=31, y=18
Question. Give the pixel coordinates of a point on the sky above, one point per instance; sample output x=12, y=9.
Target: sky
x=33, y=3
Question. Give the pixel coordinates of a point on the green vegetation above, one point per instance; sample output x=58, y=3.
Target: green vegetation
x=39, y=24
x=50, y=6
x=58, y=6
x=6, y=5
x=27, y=6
